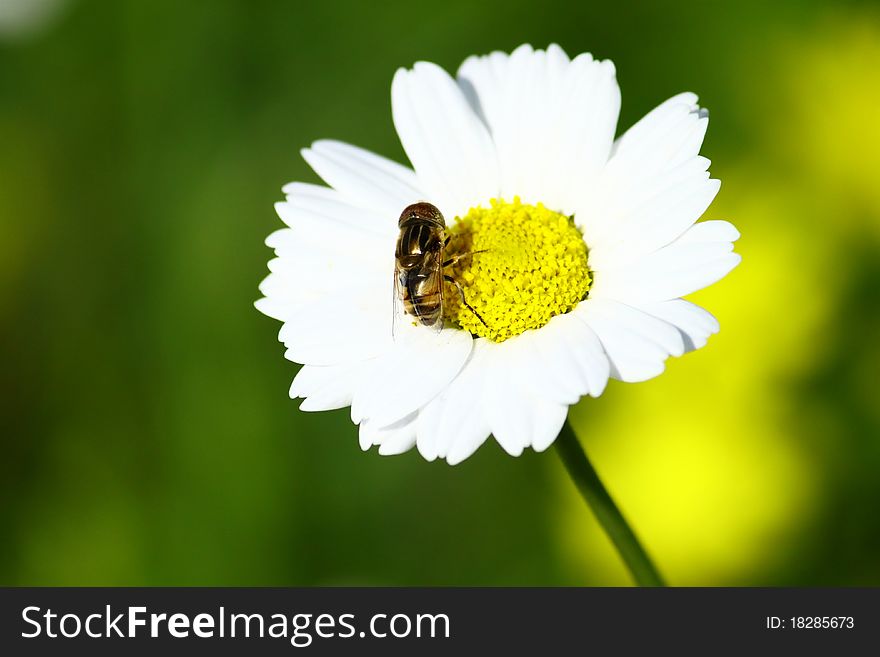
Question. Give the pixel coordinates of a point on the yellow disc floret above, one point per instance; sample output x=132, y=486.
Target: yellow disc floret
x=528, y=264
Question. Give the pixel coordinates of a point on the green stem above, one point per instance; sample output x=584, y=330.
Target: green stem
x=593, y=491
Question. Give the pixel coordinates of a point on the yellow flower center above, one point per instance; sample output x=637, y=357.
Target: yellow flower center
x=528, y=265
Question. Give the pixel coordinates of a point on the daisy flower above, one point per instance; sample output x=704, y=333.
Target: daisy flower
x=582, y=247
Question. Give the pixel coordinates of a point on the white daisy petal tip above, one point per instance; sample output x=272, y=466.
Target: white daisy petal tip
x=392, y=439
x=270, y=309
x=463, y=451
x=529, y=132
x=596, y=392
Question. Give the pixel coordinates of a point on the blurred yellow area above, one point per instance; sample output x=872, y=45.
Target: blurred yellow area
x=708, y=461
x=827, y=124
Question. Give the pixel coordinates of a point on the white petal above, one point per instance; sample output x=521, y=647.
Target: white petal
x=364, y=178
x=668, y=134
x=447, y=143
x=325, y=332
x=695, y=323
x=316, y=239
x=313, y=275
x=564, y=361
x=509, y=418
x=393, y=439
x=558, y=377
x=637, y=344
x=469, y=438
x=538, y=103
x=548, y=421
x=697, y=259
x=274, y=308
x=452, y=425
x=316, y=208
x=330, y=283
x=326, y=388
x=322, y=255
x=654, y=186
x=410, y=374
x=586, y=352
x=517, y=417
x=710, y=231
x=655, y=223
x=428, y=435
x=311, y=378
x=488, y=396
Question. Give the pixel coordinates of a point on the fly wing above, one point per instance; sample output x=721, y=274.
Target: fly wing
x=423, y=295
x=398, y=315
x=436, y=283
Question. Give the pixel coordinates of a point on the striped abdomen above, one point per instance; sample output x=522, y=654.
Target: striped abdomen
x=419, y=259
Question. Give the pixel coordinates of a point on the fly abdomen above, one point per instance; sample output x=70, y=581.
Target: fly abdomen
x=418, y=263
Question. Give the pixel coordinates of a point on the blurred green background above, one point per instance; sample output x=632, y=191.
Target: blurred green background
x=147, y=437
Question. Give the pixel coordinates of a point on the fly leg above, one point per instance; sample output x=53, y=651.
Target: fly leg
x=459, y=256
x=463, y=301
